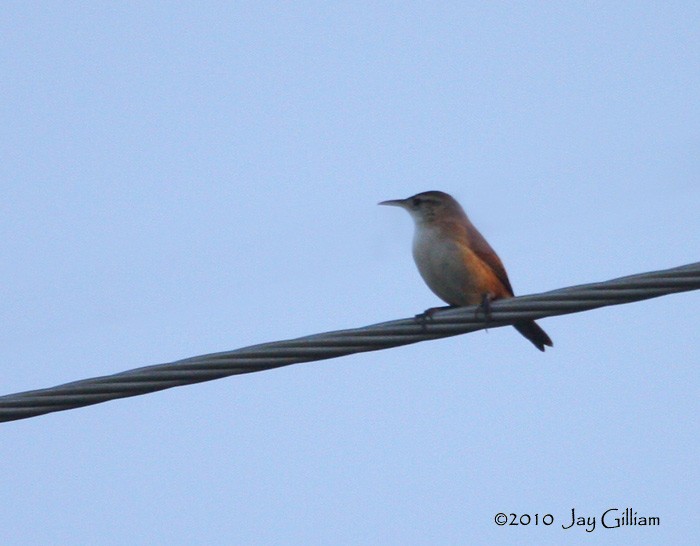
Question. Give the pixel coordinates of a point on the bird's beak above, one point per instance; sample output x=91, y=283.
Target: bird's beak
x=394, y=203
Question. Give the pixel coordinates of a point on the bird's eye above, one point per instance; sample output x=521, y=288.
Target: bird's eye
x=416, y=201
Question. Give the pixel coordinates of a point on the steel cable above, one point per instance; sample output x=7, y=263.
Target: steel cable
x=327, y=345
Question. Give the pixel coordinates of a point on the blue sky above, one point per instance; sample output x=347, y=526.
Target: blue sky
x=184, y=178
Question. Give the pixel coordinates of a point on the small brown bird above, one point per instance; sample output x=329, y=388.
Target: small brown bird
x=455, y=260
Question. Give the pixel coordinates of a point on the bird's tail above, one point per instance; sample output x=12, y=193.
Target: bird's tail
x=534, y=333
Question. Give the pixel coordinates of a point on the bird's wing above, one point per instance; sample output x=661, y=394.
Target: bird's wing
x=488, y=255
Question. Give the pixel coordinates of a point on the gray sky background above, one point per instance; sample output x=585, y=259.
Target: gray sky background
x=185, y=178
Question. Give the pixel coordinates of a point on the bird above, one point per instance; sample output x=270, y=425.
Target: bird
x=455, y=260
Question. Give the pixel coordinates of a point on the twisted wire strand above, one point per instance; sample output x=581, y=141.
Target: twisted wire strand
x=328, y=345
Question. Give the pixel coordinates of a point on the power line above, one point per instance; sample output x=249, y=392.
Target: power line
x=327, y=345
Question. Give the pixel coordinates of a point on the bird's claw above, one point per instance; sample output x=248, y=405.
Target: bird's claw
x=427, y=315
x=484, y=306
x=424, y=317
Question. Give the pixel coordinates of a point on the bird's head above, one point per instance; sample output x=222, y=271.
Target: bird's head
x=428, y=206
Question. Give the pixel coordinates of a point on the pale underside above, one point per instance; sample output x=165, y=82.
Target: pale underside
x=454, y=272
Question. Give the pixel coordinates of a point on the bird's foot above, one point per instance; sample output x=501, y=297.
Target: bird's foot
x=485, y=306
x=425, y=316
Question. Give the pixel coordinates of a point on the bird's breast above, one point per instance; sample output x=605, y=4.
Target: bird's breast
x=450, y=268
